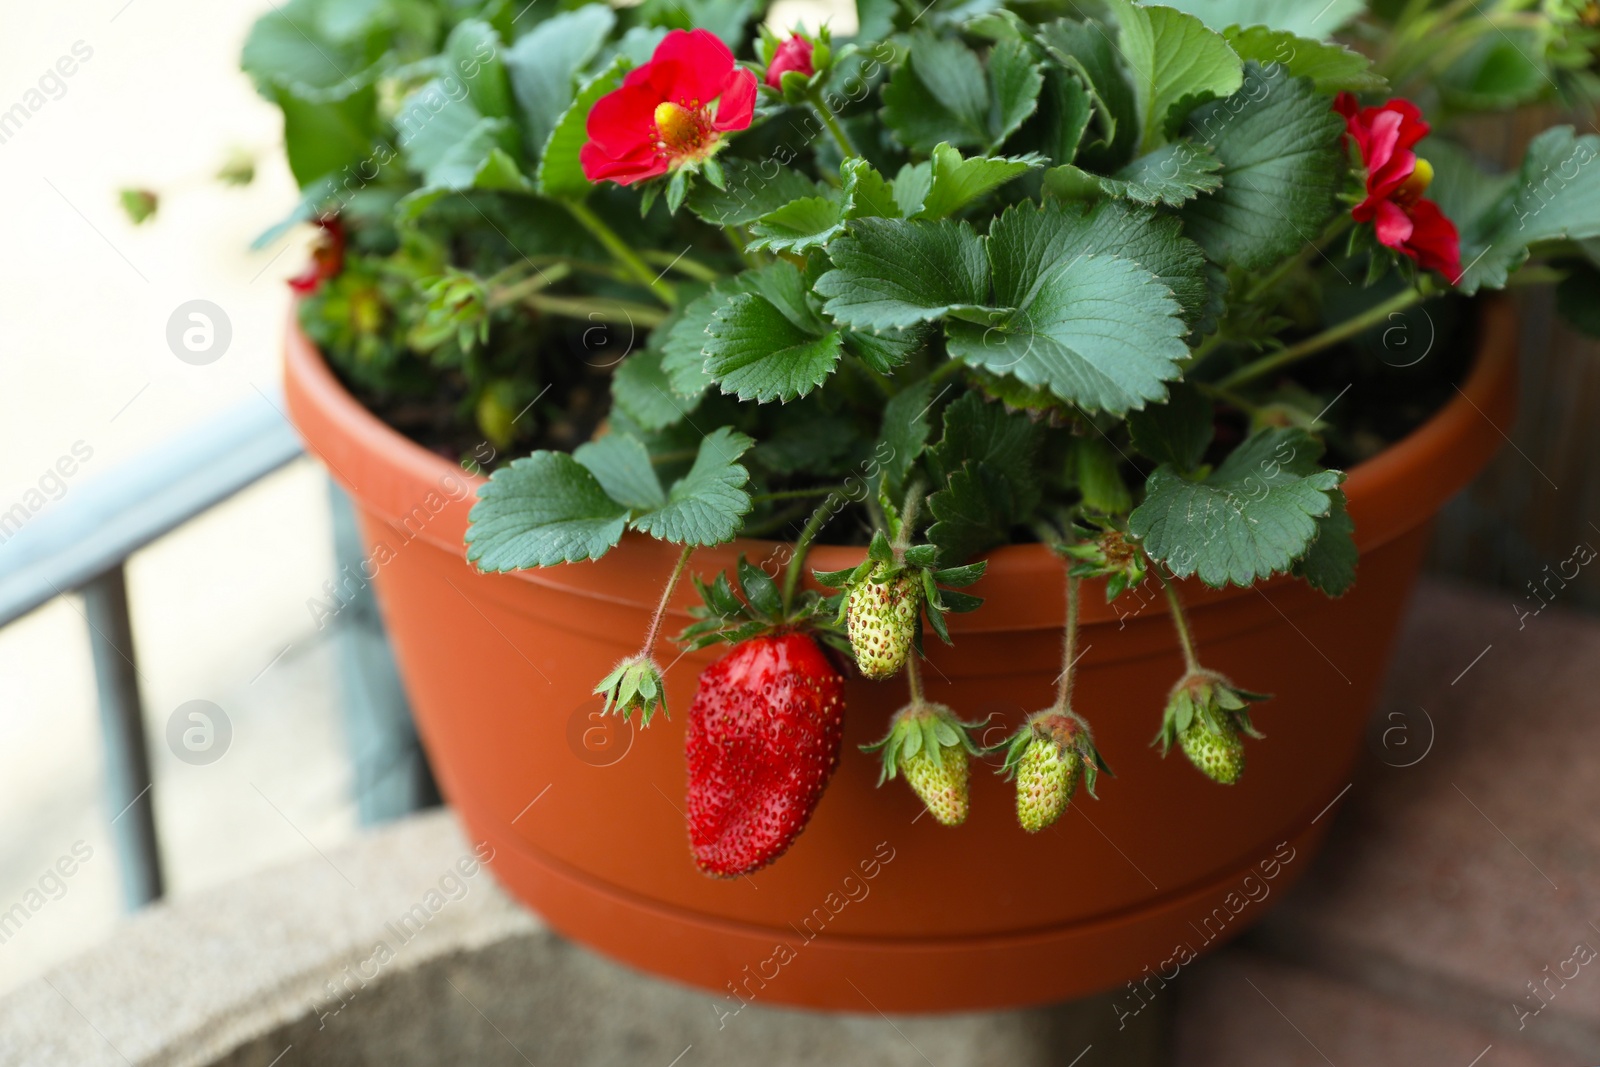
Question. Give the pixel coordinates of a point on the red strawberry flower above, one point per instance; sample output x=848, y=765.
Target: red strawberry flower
x=327, y=258
x=793, y=54
x=670, y=112
x=1401, y=216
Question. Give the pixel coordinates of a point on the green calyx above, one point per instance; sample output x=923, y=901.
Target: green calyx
x=755, y=607
x=1108, y=554
x=930, y=746
x=635, y=684
x=1205, y=716
x=1052, y=752
x=882, y=598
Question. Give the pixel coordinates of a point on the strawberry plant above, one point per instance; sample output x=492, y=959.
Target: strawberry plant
x=931, y=280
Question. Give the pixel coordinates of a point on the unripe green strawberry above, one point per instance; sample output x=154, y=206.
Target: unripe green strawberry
x=1205, y=715
x=930, y=746
x=1052, y=752
x=940, y=779
x=882, y=615
x=1218, y=753
x=1046, y=778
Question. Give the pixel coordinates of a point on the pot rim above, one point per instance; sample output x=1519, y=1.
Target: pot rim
x=1388, y=495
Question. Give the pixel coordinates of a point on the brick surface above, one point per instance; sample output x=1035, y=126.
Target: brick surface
x=1240, y=1010
x=1462, y=876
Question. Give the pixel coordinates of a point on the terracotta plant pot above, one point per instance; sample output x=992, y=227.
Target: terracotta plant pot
x=876, y=907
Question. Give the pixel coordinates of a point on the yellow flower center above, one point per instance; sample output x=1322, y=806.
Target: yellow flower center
x=680, y=130
x=1412, y=188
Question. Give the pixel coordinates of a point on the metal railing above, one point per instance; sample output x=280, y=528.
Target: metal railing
x=81, y=543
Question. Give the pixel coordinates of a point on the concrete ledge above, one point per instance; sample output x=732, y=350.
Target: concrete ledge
x=401, y=950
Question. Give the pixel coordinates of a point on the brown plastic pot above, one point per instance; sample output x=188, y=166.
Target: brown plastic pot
x=876, y=907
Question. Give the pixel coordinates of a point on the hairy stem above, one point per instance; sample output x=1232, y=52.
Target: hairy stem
x=797, y=494
x=622, y=253
x=618, y=311
x=1180, y=622
x=528, y=286
x=840, y=138
x=1069, y=650
x=791, y=578
x=908, y=519
x=914, y=677
x=689, y=268
x=1329, y=337
x=666, y=595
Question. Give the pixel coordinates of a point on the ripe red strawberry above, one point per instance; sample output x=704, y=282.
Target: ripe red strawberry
x=764, y=733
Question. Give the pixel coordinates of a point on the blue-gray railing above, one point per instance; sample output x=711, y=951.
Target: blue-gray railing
x=82, y=542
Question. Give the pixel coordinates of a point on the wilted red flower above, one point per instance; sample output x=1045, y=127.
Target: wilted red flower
x=793, y=54
x=1396, y=179
x=327, y=258
x=671, y=111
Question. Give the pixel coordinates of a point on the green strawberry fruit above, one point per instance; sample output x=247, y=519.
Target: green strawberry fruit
x=930, y=746
x=882, y=615
x=1205, y=716
x=1052, y=752
x=1219, y=753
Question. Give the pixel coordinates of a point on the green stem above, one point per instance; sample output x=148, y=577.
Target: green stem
x=530, y=285
x=840, y=138
x=623, y=254
x=1180, y=622
x=948, y=368
x=908, y=519
x=1284, y=269
x=617, y=311
x=1069, y=649
x=914, y=678
x=797, y=494
x=689, y=268
x=666, y=596
x=1329, y=337
x=1216, y=392
x=791, y=578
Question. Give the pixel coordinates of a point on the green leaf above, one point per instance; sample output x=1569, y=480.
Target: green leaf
x=289, y=48
x=683, y=351
x=560, y=172
x=544, y=64
x=1085, y=48
x=985, y=459
x=757, y=354
x=1176, y=433
x=642, y=390
x=707, y=505
x=328, y=131
x=1015, y=80
x=753, y=190
x=1331, y=66
x=621, y=465
x=955, y=182
x=938, y=94
x=892, y=273
x=1282, y=162
x=1252, y=517
x=1304, y=20
x=903, y=436
x=1095, y=329
x=1176, y=63
x=1330, y=565
x=1099, y=477
x=1171, y=175
x=472, y=55
x=1063, y=116
x=800, y=225
x=544, y=509
x=1556, y=196
x=1500, y=72
x=941, y=93
x=870, y=193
